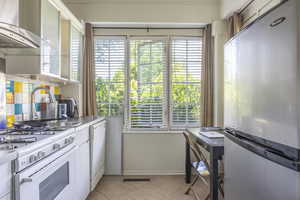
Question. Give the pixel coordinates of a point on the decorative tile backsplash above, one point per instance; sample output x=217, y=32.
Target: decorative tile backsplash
x=18, y=98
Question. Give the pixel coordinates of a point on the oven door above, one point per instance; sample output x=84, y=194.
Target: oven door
x=54, y=181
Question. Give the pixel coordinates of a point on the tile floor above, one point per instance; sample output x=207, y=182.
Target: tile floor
x=159, y=188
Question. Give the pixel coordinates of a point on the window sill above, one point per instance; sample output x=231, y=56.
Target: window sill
x=153, y=131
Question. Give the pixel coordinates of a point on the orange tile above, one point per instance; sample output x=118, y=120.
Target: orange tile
x=9, y=98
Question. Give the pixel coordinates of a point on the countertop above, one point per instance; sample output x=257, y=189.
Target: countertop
x=87, y=121
x=81, y=123
x=78, y=122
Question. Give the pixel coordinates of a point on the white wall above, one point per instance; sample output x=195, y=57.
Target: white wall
x=230, y=6
x=153, y=154
x=219, y=34
x=192, y=11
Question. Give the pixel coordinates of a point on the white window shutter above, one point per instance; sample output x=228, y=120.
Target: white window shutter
x=161, y=78
x=186, y=68
x=110, y=74
x=147, y=78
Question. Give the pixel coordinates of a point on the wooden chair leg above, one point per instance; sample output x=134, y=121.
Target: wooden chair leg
x=190, y=187
x=221, y=188
x=196, y=195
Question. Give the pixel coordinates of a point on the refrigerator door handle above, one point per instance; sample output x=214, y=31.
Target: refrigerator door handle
x=273, y=155
x=277, y=152
x=278, y=21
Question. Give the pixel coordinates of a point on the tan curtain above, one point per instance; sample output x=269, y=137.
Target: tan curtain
x=88, y=86
x=234, y=25
x=207, y=80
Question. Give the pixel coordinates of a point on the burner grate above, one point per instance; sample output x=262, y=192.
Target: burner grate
x=25, y=140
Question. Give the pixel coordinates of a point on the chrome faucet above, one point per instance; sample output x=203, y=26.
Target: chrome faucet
x=33, y=113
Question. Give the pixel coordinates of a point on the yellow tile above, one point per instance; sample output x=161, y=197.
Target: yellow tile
x=42, y=91
x=10, y=121
x=18, y=87
x=9, y=98
x=56, y=90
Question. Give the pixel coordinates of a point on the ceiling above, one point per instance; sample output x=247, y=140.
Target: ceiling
x=142, y=1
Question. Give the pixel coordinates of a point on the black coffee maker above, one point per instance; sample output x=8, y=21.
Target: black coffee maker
x=72, y=107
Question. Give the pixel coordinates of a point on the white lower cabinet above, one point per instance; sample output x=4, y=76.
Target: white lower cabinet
x=83, y=165
x=97, y=137
x=5, y=180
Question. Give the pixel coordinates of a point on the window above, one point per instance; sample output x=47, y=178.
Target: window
x=147, y=72
x=186, y=81
x=109, y=69
x=161, y=74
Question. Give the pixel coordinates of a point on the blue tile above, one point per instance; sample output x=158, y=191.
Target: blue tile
x=10, y=86
x=18, y=109
x=37, y=107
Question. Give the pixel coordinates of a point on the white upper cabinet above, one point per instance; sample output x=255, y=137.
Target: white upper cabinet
x=59, y=55
x=50, y=34
x=71, y=48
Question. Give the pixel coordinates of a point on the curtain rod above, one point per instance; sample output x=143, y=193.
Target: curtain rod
x=142, y=28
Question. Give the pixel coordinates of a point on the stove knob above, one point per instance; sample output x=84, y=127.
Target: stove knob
x=56, y=146
x=67, y=141
x=71, y=139
x=32, y=158
x=41, y=154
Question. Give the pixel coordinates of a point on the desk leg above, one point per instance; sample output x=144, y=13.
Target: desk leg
x=188, y=169
x=214, y=173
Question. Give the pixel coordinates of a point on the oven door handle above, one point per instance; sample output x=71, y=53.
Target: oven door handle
x=26, y=180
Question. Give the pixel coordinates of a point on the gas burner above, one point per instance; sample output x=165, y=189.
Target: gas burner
x=9, y=147
x=27, y=132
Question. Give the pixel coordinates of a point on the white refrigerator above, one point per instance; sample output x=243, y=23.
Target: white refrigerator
x=262, y=108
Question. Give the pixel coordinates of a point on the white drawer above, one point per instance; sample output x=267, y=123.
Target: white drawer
x=6, y=179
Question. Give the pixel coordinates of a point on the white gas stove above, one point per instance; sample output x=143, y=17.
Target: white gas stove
x=34, y=145
x=45, y=164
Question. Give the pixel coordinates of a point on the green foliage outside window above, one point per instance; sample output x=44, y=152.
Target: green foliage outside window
x=149, y=67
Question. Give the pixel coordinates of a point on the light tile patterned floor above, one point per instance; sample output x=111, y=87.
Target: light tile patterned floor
x=159, y=188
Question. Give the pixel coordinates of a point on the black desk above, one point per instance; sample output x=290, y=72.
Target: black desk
x=216, y=149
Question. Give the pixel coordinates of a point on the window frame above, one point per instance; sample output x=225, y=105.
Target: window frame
x=122, y=104
x=167, y=83
x=165, y=124
x=171, y=124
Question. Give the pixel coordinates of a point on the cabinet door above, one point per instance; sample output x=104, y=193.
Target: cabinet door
x=75, y=54
x=6, y=177
x=98, y=152
x=83, y=171
x=99, y=148
x=50, y=33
